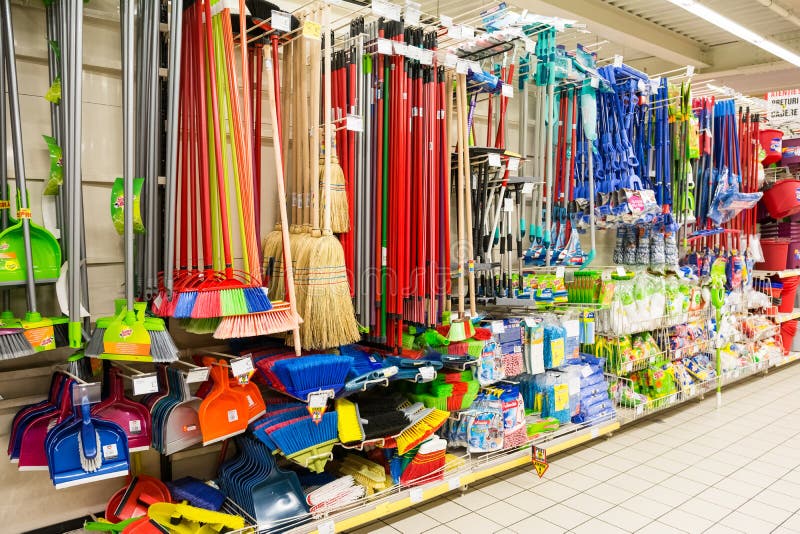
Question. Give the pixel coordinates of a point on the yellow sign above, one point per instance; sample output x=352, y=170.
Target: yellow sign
x=312, y=29
x=539, y=458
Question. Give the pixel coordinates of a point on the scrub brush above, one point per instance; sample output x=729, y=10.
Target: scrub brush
x=349, y=422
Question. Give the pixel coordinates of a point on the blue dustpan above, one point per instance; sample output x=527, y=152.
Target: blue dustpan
x=94, y=439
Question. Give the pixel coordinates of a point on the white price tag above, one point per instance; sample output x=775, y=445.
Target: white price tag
x=527, y=188
x=678, y=354
x=412, y=15
x=450, y=60
x=560, y=272
x=233, y=415
x=530, y=46
x=494, y=160
x=281, y=21
x=655, y=83
x=326, y=527
x=513, y=164
x=427, y=373
x=387, y=10
x=426, y=57
x=639, y=409
x=413, y=52
x=354, y=123
x=110, y=452
x=135, y=426
x=605, y=276
x=573, y=328
x=475, y=67
x=652, y=360
x=385, y=46
x=507, y=90
x=319, y=399
x=197, y=374
x=467, y=32
x=595, y=432
x=415, y=494
x=454, y=483
x=462, y=66
x=498, y=327
x=508, y=205
x=692, y=390
x=446, y=21
x=242, y=366
x=617, y=60
x=145, y=384
x=628, y=367
x=399, y=48
x=621, y=271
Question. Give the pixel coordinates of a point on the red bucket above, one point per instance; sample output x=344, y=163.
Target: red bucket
x=775, y=254
x=783, y=199
x=771, y=142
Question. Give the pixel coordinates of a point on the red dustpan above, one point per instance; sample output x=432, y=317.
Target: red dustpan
x=132, y=417
x=136, y=498
x=32, y=455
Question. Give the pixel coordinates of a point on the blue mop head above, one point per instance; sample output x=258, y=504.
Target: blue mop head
x=301, y=376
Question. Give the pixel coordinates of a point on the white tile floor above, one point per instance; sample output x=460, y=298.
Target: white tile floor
x=693, y=469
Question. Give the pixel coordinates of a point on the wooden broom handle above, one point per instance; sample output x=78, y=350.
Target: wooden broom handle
x=287, y=250
x=328, y=132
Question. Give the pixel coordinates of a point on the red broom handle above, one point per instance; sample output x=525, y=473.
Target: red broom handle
x=202, y=130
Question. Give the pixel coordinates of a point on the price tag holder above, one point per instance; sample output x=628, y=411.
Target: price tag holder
x=560, y=271
x=385, y=46
x=621, y=271
x=412, y=15
x=467, y=32
x=354, y=123
x=415, y=495
x=446, y=21
x=312, y=29
x=462, y=66
x=454, y=483
x=595, y=432
x=281, y=21
x=242, y=366
x=399, y=48
x=326, y=527
x=508, y=205
x=494, y=160
x=387, y=10
x=427, y=373
x=639, y=409
x=507, y=90
x=527, y=188
x=145, y=384
x=513, y=164
x=454, y=31
x=197, y=374
x=450, y=60
x=426, y=57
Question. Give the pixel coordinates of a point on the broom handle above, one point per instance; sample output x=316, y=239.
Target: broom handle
x=223, y=207
x=468, y=208
x=314, y=130
x=279, y=180
x=460, y=192
x=328, y=131
x=200, y=87
x=128, y=142
x=16, y=135
x=173, y=84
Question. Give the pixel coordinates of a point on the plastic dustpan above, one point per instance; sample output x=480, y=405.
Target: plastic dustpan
x=223, y=413
x=181, y=427
x=134, y=499
x=32, y=453
x=145, y=525
x=132, y=417
x=160, y=407
x=45, y=251
x=87, y=450
x=255, y=402
x=28, y=414
x=278, y=498
x=126, y=336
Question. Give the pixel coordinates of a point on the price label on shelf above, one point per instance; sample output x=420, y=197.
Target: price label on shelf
x=692, y=390
x=507, y=90
x=494, y=160
x=145, y=384
x=242, y=366
x=312, y=29
x=387, y=10
x=412, y=14
x=513, y=164
x=197, y=374
x=539, y=460
x=427, y=373
x=385, y=47
x=281, y=21
x=415, y=495
x=454, y=483
x=399, y=48
x=426, y=57
x=595, y=432
x=450, y=60
x=467, y=32
x=560, y=270
x=462, y=66
x=447, y=22
x=621, y=271
x=326, y=527
x=628, y=367
x=354, y=123
x=639, y=409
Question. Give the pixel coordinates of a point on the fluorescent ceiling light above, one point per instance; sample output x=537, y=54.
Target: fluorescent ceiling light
x=700, y=10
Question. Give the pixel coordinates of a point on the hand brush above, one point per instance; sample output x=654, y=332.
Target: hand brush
x=306, y=442
x=427, y=465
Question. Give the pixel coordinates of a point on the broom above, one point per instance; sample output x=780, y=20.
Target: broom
x=329, y=315
x=128, y=335
x=283, y=315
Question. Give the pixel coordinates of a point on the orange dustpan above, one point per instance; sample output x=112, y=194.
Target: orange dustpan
x=224, y=412
x=255, y=402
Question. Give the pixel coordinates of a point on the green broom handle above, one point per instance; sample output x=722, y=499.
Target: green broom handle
x=75, y=195
x=16, y=133
x=128, y=142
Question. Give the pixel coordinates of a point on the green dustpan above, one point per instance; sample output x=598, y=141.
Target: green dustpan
x=45, y=252
x=126, y=336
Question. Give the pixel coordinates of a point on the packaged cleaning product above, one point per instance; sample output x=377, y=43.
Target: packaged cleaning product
x=555, y=402
x=485, y=429
x=118, y=205
x=533, y=346
x=490, y=364
x=554, y=342
x=56, y=176
x=572, y=337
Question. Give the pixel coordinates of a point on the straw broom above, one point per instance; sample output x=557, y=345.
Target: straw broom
x=329, y=314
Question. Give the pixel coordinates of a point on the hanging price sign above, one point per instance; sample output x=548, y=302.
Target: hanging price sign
x=539, y=459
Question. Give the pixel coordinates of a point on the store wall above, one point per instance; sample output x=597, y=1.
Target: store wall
x=24, y=381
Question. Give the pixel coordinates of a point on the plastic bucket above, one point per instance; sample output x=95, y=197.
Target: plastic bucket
x=783, y=199
x=788, y=293
x=771, y=142
x=775, y=251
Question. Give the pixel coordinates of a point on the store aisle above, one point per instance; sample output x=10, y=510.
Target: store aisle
x=692, y=469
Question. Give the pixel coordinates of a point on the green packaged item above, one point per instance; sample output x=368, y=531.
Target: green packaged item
x=56, y=177
x=53, y=94
x=118, y=205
